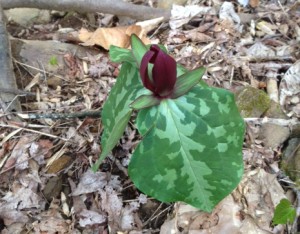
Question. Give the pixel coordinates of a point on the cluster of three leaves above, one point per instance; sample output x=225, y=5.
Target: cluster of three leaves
x=191, y=146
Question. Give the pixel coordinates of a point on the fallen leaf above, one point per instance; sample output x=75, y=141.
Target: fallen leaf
x=89, y=217
x=23, y=198
x=181, y=15
x=52, y=225
x=59, y=164
x=197, y=36
x=266, y=27
x=260, y=190
x=118, y=36
x=20, y=155
x=90, y=182
x=259, y=50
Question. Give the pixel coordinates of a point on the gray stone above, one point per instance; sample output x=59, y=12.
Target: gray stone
x=274, y=135
x=28, y=16
x=291, y=160
x=38, y=54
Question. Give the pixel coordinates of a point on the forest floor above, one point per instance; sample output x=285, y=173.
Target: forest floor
x=62, y=66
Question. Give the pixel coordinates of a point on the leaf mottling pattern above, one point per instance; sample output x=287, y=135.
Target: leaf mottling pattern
x=116, y=111
x=191, y=150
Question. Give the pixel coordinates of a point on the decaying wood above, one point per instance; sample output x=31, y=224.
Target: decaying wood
x=7, y=76
x=115, y=7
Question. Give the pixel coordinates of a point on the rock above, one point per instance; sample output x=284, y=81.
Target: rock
x=274, y=135
x=290, y=163
x=28, y=16
x=29, y=52
x=252, y=102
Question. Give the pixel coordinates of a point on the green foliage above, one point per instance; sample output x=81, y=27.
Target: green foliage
x=191, y=148
x=285, y=213
x=138, y=49
x=116, y=110
x=187, y=81
x=191, y=144
x=144, y=101
x=119, y=55
x=53, y=61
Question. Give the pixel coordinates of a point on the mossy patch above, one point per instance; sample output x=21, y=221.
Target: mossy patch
x=252, y=102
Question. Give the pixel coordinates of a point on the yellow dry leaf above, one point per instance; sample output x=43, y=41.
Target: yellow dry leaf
x=266, y=27
x=118, y=36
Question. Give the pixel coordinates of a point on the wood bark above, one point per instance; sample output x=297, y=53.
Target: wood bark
x=7, y=76
x=115, y=7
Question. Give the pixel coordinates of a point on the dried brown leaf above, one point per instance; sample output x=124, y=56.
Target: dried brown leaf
x=20, y=155
x=89, y=217
x=90, y=182
x=118, y=36
x=197, y=36
x=51, y=225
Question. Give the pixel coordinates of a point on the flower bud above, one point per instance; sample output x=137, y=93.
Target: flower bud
x=162, y=78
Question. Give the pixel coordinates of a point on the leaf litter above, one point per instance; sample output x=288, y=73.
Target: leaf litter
x=239, y=46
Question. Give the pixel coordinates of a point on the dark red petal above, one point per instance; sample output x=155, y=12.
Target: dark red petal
x=164, y=72
x=144, y=70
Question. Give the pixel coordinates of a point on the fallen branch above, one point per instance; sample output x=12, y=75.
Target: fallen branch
x=7, y=76
x=115, y=7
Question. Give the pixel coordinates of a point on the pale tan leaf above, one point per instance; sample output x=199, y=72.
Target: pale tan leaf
x=118, y=36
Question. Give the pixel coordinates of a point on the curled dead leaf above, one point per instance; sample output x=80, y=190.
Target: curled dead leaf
x=117, y=36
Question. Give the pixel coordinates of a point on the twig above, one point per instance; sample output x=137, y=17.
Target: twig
x=16, y=91
x=35, y=68
x=56, y=115
x=34, y=131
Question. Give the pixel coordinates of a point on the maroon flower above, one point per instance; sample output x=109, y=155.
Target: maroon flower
x=163, y=78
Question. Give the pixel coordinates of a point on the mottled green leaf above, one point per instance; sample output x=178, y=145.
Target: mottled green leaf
x=138, y=48
x=144, y=101
x=191, y=149
x=187, y=81
x=116, y=110
x=120, y=55
x=285, y=213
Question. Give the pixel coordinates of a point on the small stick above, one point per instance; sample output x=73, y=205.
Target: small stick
x=34, y=131
x=16, y=92
x=56, y=115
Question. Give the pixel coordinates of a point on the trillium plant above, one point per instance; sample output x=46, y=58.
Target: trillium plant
x=192, y=134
